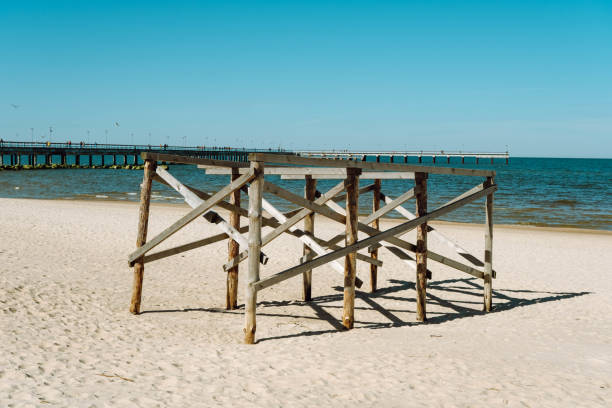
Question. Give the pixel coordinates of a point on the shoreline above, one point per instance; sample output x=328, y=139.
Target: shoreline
x=551, y=228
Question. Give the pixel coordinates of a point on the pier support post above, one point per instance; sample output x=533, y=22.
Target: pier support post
x=77, y=159
x=488, y=255
x=63, y=159
x=434, y=159
x=420, y=181
x=420, y=159
x=143, y=222
x=135, y=160
x=48, y=159
x=462, y=159
x=310, y=190
x=376, y=225
x=102, y=160
x=233, y=249
x=125, y=160
x=114, y=159
x=90, y=160
x=255, y=203
x=350, y=261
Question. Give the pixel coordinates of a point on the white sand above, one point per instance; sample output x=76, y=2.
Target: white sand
x=68, y=339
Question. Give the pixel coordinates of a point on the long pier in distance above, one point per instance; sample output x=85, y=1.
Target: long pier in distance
x=15, y=153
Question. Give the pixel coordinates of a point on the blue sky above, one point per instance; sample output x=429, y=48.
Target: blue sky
x=536, y=76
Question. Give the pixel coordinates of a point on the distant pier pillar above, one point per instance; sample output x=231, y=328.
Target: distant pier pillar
x=420, y=159
x=77, y=159
x=63, y=159
x=114, y=159
x=405, y=159
x=391, y=159
x=477, y=159
x=90, y=160
x=447, y=159
x=135, y=159
x=462, y=159
x=378, y=158
x=434, y=159
x=491, y=160
x=125, y=159
x=102, y=158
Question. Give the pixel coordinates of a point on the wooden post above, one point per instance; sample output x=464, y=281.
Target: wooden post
x=420, y=181
x=376, y=225
x=102, y=159
x=77, y=159
x=233, y=248
x=90, y=160
x=310, y=190
x=125, y=160
x=255, y=203
x=488, y=256
x=114, y=159
x=350, y=261
x=143, y=222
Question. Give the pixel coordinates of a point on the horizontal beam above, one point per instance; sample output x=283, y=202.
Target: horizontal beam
x=306, y=161
x=367, y=175
x=364, y=243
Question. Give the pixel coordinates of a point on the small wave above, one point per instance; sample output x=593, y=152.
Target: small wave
x=132, y=194
x=101, y=196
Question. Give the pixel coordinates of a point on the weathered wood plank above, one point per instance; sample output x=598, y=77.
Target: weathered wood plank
x=375, y=216
x=143, y=223
x=233, y=248
x=255, y=206
x=376, y=225
x=350, y=262
x=369, y=175
x=488, y=256
x=306, y=239
x=306, y=161
x=420, y=181
x=288, y=224
x=192, y=215
x=310, y=189
x=194, y=201
x=188, y=247
x=364, y=243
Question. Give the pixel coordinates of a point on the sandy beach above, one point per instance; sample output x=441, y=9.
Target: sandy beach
x=68, y=339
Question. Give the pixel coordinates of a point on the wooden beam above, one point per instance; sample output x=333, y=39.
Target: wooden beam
x=233, y=248
x=288, y=224
x=350, y=262
x=255, y=197
x=306, y=161
x=310, y=189
x=376, y=226
x=370, y=175
x=433, y=232
x=194, y=201
x=362, y=190
x=420, y=181
x=175, y=158
x=364, y=243
x=143, y=223
x=192, y=215
x=488, y=256
x=306, y=239
x=188, y=247
x=375, y=216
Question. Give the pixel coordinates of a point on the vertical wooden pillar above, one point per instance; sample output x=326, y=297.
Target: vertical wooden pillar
x=77, y=159
x=376, y=225
x=233, y=249
x=63, y=158
x=102, y=159
x=420, y=159
x=350, y=261
x=114, y=159
x=125, y=160
x=255, y=196
x=90, y=160
x=488, y=256
x=310, y=190
x=135, y=159
x=143, y=223
x=420, y=180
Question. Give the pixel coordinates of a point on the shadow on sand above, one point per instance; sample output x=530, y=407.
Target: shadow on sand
x=469, y=306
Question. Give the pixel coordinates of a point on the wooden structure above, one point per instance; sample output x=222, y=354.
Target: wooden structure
x=403, y=155
x=317, y=252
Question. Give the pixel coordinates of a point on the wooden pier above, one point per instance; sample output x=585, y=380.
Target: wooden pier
x=318, y=252
x=399, y=156
x=95, y=154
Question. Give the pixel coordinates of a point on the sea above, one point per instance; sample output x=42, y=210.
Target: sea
x=552, y=192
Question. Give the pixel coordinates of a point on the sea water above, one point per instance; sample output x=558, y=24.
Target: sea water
x=532, y=191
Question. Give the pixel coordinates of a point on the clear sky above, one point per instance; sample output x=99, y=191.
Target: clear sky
x=452, y=75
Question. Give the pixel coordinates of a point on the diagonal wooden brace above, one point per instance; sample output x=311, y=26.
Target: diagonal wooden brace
x=192, y=215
